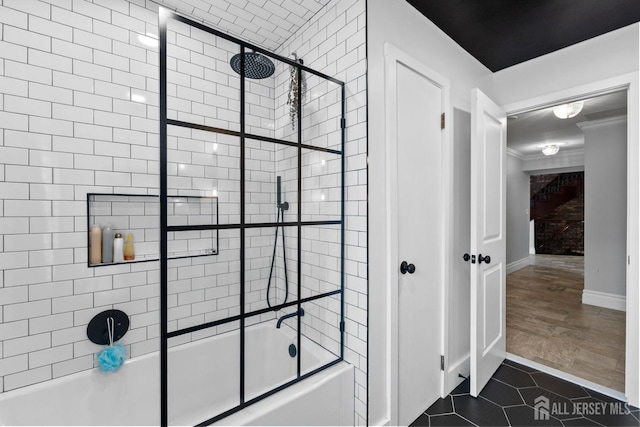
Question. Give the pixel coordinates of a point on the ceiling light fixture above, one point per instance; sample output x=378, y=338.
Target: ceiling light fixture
x=567, y=111
x=550, y=150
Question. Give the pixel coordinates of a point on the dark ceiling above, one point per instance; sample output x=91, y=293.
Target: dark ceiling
x=502, y=33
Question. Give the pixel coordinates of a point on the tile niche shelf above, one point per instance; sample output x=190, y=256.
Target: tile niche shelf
x=140, y=216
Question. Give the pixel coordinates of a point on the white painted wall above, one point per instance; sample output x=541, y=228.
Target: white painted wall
x=609, y=55
x=605, y=206
x=400, y=24
x=517, y=210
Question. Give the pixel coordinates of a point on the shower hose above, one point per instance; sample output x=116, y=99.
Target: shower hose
x=273, y=258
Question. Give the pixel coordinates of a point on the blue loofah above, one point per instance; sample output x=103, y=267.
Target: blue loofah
x=111, y=358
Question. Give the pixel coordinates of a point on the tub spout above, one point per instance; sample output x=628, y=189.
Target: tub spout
x=286, y=316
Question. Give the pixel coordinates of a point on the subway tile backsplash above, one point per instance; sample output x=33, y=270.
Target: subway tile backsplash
x=79, y=111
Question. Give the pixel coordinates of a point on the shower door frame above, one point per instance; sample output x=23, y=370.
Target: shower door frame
x=164, y=16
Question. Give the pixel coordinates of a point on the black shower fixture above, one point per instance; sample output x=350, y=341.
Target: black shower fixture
x=256, y=66
x=281, y=207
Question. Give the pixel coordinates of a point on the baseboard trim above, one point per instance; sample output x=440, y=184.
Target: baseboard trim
x=517, y=265
x=568, y=377
x=603, y=299
x=382, y=422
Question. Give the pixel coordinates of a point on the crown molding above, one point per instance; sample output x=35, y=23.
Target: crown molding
x=562, y=153
x=514, y=153
x=602, y=122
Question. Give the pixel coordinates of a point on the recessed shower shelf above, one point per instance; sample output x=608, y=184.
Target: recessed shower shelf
x=139, y=215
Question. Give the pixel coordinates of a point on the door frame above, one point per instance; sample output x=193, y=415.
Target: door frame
x=393, y=55
x=629, y=82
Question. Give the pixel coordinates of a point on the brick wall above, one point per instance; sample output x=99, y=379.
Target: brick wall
x=561, y=232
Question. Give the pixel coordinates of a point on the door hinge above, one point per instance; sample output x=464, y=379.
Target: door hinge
x=442, y=120
x=342, y=326
x=442, y=363
x=343, y=123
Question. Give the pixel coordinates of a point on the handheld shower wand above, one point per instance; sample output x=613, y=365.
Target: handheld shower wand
x=281, y=207
x=284, y=206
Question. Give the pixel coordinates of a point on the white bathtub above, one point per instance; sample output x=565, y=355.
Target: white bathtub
x=203, y=382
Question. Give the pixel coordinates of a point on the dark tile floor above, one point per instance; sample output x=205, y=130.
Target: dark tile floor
x=511, y=395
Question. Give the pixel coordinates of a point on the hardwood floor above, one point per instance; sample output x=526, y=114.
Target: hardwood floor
x=547, y=322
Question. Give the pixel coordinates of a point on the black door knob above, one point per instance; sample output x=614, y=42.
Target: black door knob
x=407, y=268
x=486, y=259
x=467, y=257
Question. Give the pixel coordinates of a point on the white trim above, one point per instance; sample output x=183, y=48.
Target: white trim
x=564, y=159
x=453, y=370
x=380, y=422
x=393, y=55
x=515, y=153
x=568, y=377
x=568, y=169
x=590, y=90
x=519, y=264
x=602, y=122
x=532, y=238
x=574, y=152
x=604, y=299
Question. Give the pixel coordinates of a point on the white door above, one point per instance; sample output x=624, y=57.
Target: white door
x=488, y=240
x=415, y=106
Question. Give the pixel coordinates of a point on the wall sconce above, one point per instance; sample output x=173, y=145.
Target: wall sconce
x=567, y=111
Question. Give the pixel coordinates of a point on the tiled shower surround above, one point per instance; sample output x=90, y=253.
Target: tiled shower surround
x=79, y=114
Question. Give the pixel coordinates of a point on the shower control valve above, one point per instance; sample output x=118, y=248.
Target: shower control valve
x=284, y=206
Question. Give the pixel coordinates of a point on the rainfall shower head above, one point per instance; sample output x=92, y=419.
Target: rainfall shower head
x=256, y=66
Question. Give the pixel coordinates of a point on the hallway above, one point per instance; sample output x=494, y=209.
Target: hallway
x=547, y=322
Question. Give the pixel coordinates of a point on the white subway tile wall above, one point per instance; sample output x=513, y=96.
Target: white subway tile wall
x=268, y=24
x=334, y=43
x=79, y=112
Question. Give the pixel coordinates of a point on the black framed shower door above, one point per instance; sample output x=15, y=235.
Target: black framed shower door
x=243, y=135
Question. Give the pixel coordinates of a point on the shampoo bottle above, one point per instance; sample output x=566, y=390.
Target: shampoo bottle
x=95, y=244
x=107, y=245
x=118, y=248
x=128, y=249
